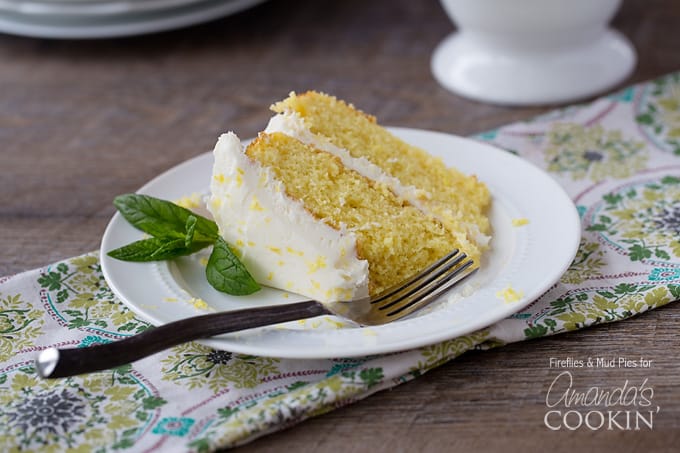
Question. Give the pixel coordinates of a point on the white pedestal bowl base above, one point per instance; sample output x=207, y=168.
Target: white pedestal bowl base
x=471, y=68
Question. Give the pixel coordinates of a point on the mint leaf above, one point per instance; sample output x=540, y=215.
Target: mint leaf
x=190, y=228
x=163, y=219
x=155, y=249
x=226, y=273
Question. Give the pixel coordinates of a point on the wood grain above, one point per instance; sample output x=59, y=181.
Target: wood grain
x=83, y=121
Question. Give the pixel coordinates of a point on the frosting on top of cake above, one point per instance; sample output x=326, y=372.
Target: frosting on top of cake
x=279, y=241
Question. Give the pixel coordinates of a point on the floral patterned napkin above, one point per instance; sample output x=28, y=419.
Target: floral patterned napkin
x=619, y=159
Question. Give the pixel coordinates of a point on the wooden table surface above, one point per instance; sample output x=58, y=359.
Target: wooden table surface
x=81, y=122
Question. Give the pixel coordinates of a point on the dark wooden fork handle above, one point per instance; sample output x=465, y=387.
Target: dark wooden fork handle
x=55, y=363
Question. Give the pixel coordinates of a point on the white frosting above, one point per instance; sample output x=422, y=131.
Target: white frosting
x=281, y=244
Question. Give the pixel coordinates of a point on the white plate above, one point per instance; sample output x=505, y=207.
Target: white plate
x=73, y=26
x=530, y=259
x=90, y=7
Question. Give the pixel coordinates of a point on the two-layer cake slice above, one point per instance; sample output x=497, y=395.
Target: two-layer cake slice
x=328, y=204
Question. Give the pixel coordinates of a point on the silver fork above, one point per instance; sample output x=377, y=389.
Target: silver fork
x=394, y=303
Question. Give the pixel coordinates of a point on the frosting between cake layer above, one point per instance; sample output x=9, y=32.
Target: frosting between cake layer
x=293, y=125
x=281, y=244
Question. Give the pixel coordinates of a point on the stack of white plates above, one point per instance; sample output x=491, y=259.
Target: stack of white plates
x=109, y=18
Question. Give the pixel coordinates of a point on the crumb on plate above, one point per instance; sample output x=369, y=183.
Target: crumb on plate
x=509, y=295
x=520, y=221
x=199, y=303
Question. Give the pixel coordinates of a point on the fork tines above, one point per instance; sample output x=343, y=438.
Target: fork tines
x=426, y=286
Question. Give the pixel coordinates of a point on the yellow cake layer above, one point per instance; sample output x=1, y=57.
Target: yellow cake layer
x=459, y=201
x=396, y=238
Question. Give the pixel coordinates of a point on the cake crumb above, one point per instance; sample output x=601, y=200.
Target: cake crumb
x=510, y=295
x=192, y=201
x=199, y=303
x=335, y=323
x=170, y=299
x=520, y=222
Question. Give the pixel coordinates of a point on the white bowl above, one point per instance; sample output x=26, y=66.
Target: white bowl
x=528, y=52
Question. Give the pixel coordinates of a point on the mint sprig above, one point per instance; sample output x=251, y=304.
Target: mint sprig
x=177, y=231
x=163, y=219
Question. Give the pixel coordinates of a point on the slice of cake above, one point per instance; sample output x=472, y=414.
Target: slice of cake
x=458, y=201
x=312, y=210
